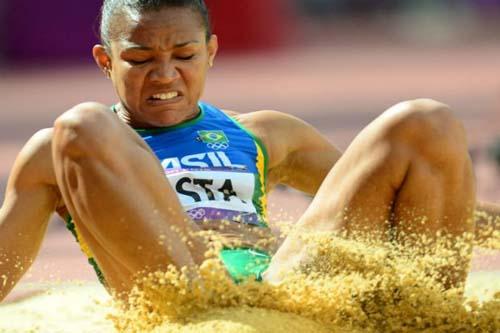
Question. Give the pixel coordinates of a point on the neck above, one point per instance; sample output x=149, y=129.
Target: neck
x=123, y=113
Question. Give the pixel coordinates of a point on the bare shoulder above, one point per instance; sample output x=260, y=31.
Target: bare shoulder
x=34, y=161
x=39, y=144
x=265, y=118
x=273, y=128
x=41, y=140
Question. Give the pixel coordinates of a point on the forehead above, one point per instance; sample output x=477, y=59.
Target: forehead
x=166, y=25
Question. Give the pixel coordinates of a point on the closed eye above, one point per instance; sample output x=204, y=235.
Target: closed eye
x=186, y=58
x=137, y=62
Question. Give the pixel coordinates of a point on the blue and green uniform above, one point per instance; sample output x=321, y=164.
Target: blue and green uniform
x=218, y=170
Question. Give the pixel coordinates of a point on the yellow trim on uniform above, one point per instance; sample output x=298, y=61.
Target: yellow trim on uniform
x=261, y=167
x=83, y=245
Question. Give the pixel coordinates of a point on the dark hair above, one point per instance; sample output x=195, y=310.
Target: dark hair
x=110, y=28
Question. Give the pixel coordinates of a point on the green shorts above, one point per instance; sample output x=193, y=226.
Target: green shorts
x=244, y=263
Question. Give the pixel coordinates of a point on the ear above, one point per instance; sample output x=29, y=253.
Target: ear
x=102, y=58
x=213, y=47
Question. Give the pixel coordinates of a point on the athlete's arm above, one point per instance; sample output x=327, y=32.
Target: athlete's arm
x=299, y=155
x=30, y=200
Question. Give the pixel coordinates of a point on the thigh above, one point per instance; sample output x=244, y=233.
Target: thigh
x=408, y=169
x=118, y=196
x=338, y=199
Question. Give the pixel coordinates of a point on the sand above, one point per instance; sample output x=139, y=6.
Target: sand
x=372, y=291
x=82, y=307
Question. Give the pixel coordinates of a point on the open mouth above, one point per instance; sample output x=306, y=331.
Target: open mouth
x=164, y=96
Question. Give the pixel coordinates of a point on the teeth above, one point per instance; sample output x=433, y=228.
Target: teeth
x=166, y=96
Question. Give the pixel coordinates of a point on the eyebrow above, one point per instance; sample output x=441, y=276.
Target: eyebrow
x=147, y=48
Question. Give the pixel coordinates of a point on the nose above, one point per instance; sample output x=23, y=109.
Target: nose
x=164, y=72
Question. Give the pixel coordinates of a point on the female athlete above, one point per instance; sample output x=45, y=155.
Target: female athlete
x=136, y=181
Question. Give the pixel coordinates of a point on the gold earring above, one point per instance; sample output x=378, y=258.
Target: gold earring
x=107, y=72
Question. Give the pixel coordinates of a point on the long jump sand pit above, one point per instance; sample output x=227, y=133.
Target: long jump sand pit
x=370, y=292
x=84, y=307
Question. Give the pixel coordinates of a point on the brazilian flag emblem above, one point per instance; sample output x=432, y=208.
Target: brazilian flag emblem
x=214, y=139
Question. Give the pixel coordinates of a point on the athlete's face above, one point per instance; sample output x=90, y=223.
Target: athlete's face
x=158, y=66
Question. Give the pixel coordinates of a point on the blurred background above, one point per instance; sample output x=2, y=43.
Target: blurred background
x=335, y=63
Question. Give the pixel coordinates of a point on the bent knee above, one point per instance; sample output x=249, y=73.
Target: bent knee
x=427, y=126
x=83, y=117
x=84, y=128
x=421, y=118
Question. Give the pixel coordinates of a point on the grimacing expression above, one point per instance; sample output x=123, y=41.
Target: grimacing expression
x=159, y=65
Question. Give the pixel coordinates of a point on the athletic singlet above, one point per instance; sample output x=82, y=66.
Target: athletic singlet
x=217, y=168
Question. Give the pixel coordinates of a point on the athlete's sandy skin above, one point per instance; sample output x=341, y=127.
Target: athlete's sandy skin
x=411, y=160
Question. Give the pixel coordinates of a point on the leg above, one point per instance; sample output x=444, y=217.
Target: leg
x=118, y=196
x=411, y=162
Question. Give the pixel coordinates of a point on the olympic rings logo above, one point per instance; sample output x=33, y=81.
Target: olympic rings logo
x=197, y=214
x=215, y=140
x=217, y=146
